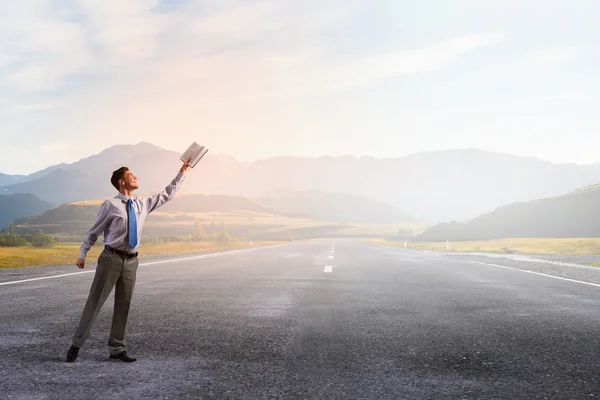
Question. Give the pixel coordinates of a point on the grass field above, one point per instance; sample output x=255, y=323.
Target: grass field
x=67, y=253
x=575, y=246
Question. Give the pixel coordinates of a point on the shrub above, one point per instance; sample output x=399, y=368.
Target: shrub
x=13, y=240
x=42, y=240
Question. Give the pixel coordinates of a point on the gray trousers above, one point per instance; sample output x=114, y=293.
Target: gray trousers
x=112, y=271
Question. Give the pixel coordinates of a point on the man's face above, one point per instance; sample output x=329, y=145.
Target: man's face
x=130, y=181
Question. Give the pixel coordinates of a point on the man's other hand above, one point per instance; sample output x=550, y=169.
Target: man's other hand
x=185, y=167
x=80, y=263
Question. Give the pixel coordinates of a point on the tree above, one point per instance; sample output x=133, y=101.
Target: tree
x=212, y=228
x=199, y=233
x=13, y=240
x=223, y=235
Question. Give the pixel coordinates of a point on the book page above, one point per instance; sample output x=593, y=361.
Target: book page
x=195, y=152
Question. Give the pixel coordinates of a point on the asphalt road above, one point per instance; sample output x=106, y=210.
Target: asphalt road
x=266, y=323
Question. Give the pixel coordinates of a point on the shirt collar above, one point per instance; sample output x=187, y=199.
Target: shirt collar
x=123, y=197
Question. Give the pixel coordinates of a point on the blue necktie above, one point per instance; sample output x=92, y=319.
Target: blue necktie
x=132, y=229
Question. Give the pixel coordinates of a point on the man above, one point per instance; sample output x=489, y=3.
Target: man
x=121, y=219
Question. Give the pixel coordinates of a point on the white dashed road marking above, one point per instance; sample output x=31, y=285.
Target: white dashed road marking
x=328, y=268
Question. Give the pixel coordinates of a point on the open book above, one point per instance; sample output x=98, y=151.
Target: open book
x=195, y=152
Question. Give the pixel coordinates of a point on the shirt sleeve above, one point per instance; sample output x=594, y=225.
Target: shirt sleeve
x=97, y=228
x=154, y=202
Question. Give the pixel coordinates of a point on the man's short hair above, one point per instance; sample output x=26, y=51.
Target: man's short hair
x=116, y=175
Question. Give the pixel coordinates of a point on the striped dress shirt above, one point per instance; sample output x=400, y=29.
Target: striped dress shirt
x=112, y=218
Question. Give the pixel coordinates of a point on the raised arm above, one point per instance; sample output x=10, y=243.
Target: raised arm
x=154, y=202
x=97, y=228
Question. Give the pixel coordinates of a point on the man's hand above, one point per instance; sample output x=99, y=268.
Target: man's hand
x=80, y=263
x=185, y=167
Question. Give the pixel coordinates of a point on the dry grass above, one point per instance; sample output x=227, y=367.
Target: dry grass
x=383, y=229
x=241, y=219
x=574, y=246
x=95, y=202
x=67, y=253
x=62, y=253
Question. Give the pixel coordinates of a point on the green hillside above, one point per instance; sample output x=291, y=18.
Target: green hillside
x=573, y=215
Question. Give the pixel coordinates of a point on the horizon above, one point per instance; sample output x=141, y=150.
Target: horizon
x=263, y=79
x=299, y=157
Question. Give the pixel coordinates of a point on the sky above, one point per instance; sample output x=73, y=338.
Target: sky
x=258, y=79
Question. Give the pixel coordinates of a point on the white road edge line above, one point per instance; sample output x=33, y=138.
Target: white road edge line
x=328, y=268
x=45, y=277
x=222, y=253
x=538, y=273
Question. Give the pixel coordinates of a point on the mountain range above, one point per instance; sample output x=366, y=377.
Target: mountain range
x=13, y=206
x=435, y=187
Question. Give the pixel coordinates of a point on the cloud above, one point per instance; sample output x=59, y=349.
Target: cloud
x=539, y=67
x=370, y=69
x=7, y=59
x=241, y=22
x=38, y=49
x=124, y=32
x=263, y=48
x=570, y=96
x=46, y=47
x=40, y=106
x=114, y=68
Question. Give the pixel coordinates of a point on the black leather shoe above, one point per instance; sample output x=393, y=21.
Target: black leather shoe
x=72, y=353
x=123, y=357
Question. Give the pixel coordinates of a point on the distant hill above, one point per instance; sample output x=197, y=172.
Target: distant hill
x=8, y=179
x=431, y=187
x=201, y=203
x=243, y=218
x=115, y=156
x=576, y=214
x=13, y=206
x=58, y=186
x=337, y=207
x=86, y=178
x=86, y=211
x=98, y=162
x=42, y=173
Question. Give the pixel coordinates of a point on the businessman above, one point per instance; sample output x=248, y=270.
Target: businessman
x=121, y=220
